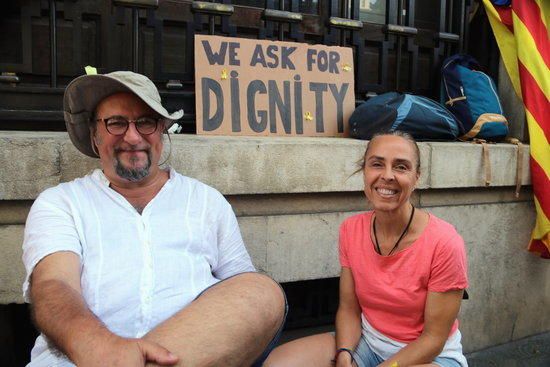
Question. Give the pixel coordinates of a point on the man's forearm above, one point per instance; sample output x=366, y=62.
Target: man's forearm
x=62, y=315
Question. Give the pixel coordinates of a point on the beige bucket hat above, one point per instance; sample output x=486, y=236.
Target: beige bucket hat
x=84, y=93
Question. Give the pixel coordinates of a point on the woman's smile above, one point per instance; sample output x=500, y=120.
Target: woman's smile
x=384, y=192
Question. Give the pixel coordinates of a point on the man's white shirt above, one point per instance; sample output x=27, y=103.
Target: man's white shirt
x=137, y=270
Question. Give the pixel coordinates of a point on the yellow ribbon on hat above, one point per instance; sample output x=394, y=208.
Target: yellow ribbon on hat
x=90, y=70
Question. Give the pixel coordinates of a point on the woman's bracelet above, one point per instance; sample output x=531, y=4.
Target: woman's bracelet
x=340, y=350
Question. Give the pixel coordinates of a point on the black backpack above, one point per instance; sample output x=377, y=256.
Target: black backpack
x=419, y=116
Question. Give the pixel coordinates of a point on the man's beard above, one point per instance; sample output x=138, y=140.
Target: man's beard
x=133, y=174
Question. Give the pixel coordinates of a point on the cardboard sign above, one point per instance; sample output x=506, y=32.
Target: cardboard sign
x=258, y=87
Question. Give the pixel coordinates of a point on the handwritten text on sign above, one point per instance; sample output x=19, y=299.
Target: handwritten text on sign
x=258, y=87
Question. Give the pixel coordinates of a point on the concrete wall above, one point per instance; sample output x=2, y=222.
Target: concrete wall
x=512, y=105
x=291, y=194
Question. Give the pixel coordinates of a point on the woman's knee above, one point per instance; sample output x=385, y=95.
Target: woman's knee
x=316, y=350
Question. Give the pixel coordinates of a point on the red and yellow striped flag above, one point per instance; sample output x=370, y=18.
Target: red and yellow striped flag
x=522, y=34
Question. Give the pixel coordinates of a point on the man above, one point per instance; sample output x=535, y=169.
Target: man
x=132, y=264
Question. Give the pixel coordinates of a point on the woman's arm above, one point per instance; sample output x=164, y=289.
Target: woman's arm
x=348, y=318
x=439, y=314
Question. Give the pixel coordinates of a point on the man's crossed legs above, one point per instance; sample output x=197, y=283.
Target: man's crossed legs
x=230, y=324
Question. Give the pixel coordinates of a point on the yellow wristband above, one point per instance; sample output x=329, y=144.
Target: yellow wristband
x=394, y=364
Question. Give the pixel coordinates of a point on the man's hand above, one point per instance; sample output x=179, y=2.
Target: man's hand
x=117, y=351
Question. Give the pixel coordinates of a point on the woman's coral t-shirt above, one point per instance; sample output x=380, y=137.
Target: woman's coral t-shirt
x=392, y=290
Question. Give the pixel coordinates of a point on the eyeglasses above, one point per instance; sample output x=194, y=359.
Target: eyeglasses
x=118, y=125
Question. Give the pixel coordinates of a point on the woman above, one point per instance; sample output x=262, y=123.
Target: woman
x=402, y=279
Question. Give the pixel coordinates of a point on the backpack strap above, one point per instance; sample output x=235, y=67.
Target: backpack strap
x=451, y=101
x=486, y=160
x=519, y=161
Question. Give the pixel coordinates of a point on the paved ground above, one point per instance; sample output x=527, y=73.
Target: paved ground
x=529, y=352
x=533, y=351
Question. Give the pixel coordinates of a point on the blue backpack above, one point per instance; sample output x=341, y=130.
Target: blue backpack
x=419, y=116
x=472, y=98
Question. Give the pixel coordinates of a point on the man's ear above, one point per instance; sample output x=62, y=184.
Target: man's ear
x=94, y=140
x=93, y=137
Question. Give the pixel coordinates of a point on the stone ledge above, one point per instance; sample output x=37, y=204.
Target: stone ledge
x=33, y=161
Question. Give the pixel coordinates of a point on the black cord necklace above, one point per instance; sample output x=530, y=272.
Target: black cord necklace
x=400, y=237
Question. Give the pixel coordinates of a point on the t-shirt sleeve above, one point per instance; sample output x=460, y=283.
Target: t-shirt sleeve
x=449, y=268
x=343, y=246
x=50, y=228
x=233, y=257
